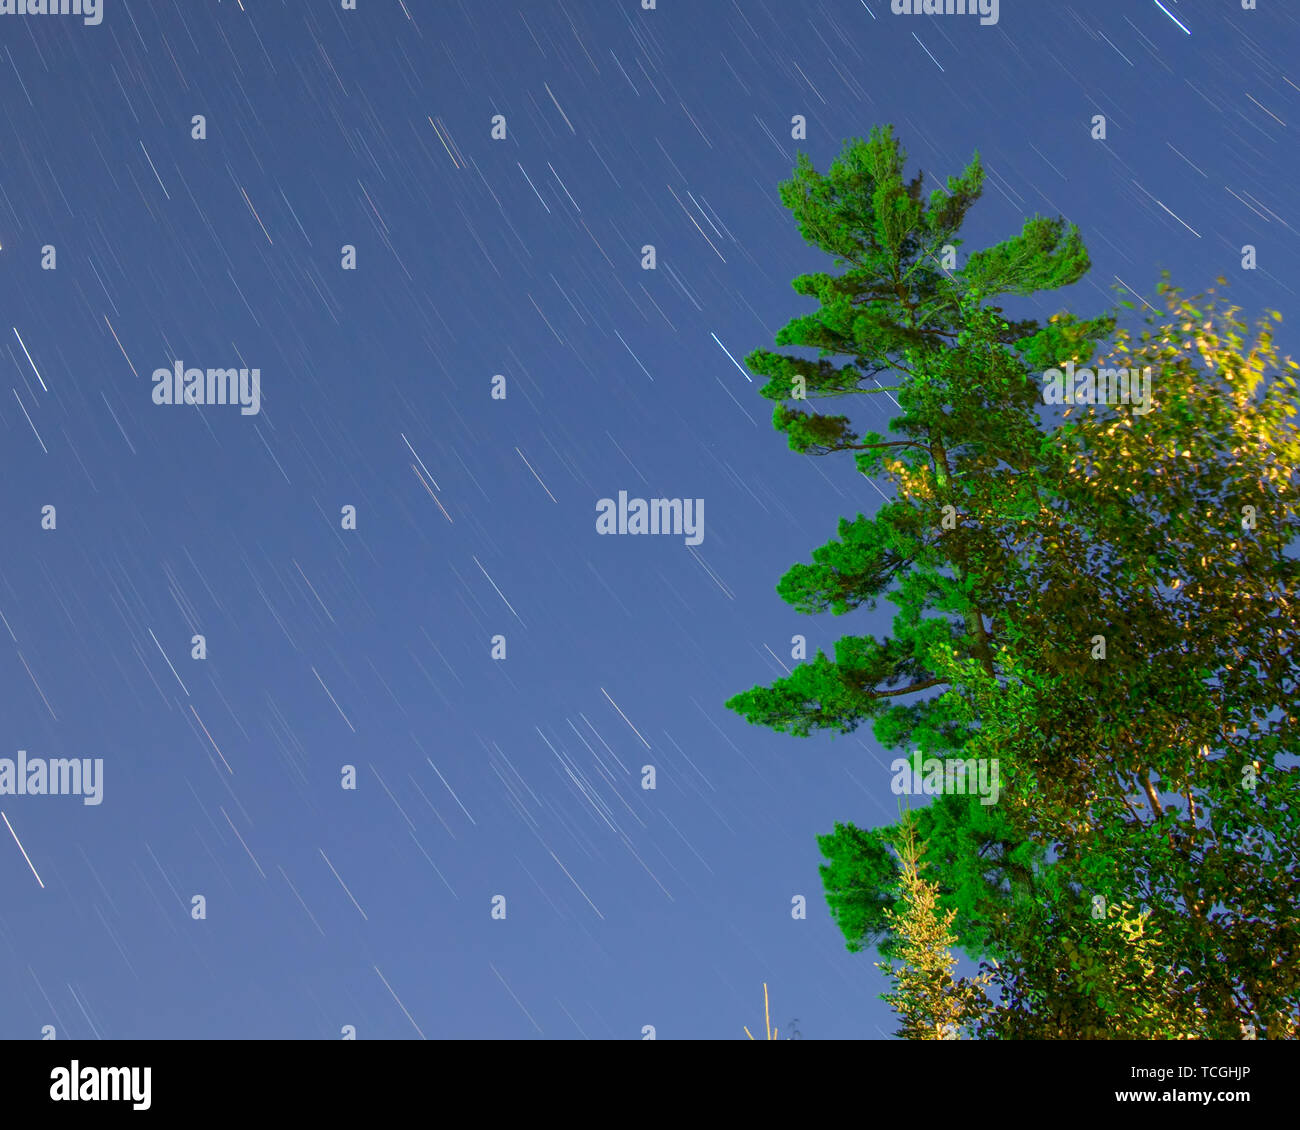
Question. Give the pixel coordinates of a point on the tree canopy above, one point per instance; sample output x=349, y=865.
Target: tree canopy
x=1101, y=599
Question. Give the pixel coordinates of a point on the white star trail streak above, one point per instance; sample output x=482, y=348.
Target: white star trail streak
x=533, y=187
x=562, y=113
x=333, y=700
x=516, y=999
x=927, y=51
x=246, y=847
x=697, y=226
x=712, y=575
x=399, y=1003
x=563, y=185
x=436, y=501
x=21, y=848
x=313, y=591
x=84, y=1012
x=628, y=844
x=342, y=884
x=1175, y=215
x=624, y=717
x=575, y=884
x=453, y=792
x=419, y=461
x=259, y=218
x=1170, y=14
x=210, y=738
x=536, y=476
x=38, y=688
x=29, y=358
x=434, y=866
x=299, y=898
x=389, y=791
x=498, y=591
x=570, y=1016
x=168, y=662
x=1266, y=110
x=155, y=173
x=733, y=360
x=117, y=422
x=603, y=741
x=116, y=339
x=46, y=995
x=29, y=420
x=425, y=797
x=634, y=356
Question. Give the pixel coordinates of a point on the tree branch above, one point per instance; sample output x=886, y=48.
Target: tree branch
x=908, y=690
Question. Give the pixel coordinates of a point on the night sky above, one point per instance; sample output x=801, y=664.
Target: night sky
x=475, y=516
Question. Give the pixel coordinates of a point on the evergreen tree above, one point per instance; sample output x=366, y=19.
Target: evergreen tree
x=930, y=1002
x=1106, y=605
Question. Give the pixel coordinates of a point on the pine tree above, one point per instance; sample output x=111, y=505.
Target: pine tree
x=1105, y=603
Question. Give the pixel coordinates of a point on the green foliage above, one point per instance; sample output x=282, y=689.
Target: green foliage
x=931, y=1003
x=1013, y=546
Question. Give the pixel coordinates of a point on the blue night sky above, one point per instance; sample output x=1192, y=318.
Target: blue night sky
x=475, y=516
